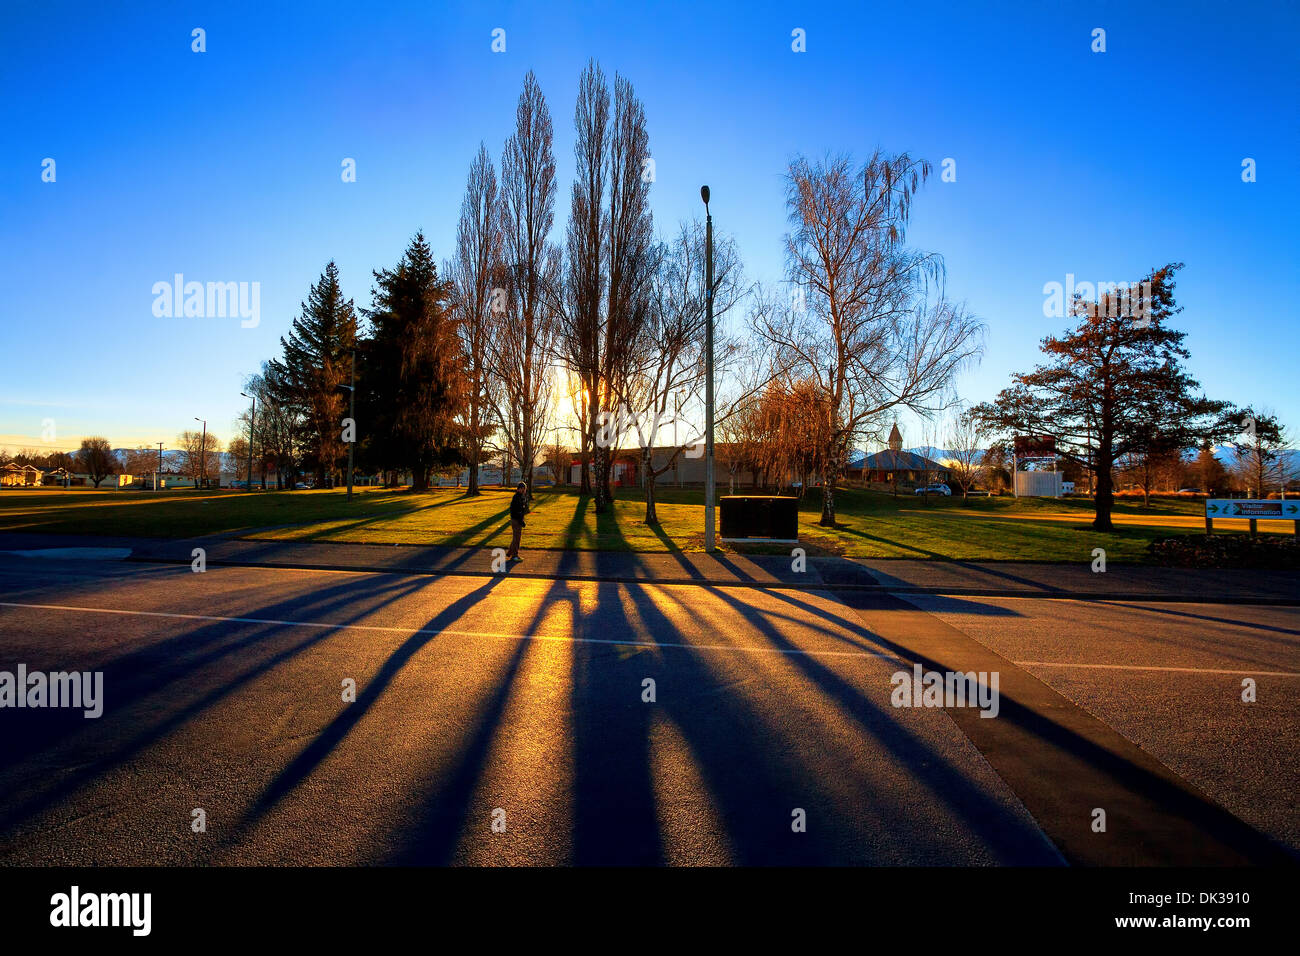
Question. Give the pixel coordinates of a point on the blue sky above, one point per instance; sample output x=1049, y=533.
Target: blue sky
x=225, y=165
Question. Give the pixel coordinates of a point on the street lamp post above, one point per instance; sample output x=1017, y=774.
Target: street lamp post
x=708, y=376
x=203, y=451
x=157, y=476
x=352, y=414
x=252, y=419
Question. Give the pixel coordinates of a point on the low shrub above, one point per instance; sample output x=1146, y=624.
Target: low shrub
x=1227, y=551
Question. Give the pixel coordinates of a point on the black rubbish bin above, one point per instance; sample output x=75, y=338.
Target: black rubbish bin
x=770, y=517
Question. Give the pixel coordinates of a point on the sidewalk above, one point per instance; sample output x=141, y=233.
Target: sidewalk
x=980, y=579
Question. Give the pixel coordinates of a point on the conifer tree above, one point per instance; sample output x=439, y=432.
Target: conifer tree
x=316, y=366
x=412, y=382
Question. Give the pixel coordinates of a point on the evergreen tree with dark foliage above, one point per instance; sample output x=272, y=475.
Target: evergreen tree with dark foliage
x=411, y=382
x=314, y=369
x=1114, y=386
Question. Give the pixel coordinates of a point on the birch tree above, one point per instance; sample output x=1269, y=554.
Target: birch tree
x=869, y=325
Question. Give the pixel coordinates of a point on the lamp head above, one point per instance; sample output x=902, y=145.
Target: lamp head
x=704, y=194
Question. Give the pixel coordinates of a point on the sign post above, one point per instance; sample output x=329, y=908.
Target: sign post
x=1253, y=510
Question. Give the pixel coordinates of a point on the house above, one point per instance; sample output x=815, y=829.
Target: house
x=626, y=469
x=14, y=475
x=904, y=466
x=686, y=469
x=894, y=466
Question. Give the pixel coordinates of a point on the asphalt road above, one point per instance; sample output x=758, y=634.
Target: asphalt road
x=1170, y=678
x=480, y=699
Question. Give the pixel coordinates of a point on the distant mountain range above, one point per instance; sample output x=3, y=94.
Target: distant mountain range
x=1225, y=453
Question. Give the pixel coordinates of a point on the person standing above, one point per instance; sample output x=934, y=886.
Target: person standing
x=518, y=508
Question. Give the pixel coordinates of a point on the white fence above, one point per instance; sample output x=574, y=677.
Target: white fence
x=1038, y=484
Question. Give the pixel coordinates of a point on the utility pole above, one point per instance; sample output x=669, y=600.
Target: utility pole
x=708, y=376
x=352, y=414
x=157, y=475
x=252, y=419
x=203, y=451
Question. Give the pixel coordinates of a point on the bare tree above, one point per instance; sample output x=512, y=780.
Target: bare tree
x=524, y=335
x=140, y=460
x=579, y=304
x=604, y=302
x=558, y=459
x=277, y=426
x=630, y=262
x=199, y=460
x=1261, y=461
x=237, y=458
x=667, y=365
x=96, y=458
x=873, y=330
x=965, y=454
x=476, y=265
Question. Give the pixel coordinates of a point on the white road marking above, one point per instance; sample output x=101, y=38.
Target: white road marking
x=455, y=633
x=1144, y=667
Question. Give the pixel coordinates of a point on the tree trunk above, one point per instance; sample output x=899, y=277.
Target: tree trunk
x=584, y=467
x=651, y=516
x=472, y=484
x=1105, y=500
x=604, y=491
x=828, y=502
x=526, y=463
x=471, y=487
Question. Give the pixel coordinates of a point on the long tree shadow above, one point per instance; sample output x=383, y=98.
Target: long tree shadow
x=1234, y=622
x=1007, y=838
x=675, y=550
x=389, y=510
x=432, y=831
x=755, y=777
x=311, y=756
x=122, y=733
x=1175, y=801
x=156, y=667
x=577, y=527
x=614, y=816
x=985, y=568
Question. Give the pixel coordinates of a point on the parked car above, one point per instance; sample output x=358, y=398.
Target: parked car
x=1190, y=491
x=934, y=490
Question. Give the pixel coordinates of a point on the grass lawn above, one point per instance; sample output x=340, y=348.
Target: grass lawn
x=872, y=524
